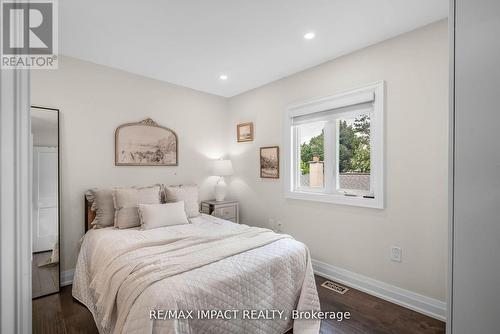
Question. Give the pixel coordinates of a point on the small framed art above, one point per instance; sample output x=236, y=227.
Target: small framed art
x=270, y=162
x=244, y=132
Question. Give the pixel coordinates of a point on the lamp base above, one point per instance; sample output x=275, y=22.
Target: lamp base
x=220, y=190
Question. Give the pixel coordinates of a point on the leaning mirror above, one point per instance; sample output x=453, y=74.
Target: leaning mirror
x=45, y=190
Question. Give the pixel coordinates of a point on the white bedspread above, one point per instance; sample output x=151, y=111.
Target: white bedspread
x=211, y=264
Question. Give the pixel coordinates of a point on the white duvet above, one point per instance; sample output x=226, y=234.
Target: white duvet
x=125, y=276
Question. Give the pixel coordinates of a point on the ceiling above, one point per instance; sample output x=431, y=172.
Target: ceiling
x=191, y=43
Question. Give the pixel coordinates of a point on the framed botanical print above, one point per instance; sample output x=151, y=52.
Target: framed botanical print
x=270, y=162
x=145, y=143
x=245, y=132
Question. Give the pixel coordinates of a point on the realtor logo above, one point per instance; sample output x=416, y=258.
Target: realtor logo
x=29, y=34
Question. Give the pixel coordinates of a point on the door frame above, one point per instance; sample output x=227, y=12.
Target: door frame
x=451, y=165
x=15, y=202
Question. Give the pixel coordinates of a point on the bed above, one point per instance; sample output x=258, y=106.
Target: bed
x=209, y=276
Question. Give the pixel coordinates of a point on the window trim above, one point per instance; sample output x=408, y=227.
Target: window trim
x=375, y=91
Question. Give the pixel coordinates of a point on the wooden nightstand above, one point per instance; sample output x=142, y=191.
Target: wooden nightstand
x=228, y=210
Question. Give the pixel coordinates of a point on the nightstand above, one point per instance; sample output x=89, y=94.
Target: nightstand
x=227, y=210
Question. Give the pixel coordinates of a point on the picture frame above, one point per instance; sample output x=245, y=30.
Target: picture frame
x=244, y=132
x=145, y=143
x=270, y=162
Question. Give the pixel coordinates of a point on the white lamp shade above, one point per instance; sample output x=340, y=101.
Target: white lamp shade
x=222, y=168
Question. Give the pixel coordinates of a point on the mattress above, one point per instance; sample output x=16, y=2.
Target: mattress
x=253, y=291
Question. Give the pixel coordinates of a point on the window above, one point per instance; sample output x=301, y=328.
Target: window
x=334, y=148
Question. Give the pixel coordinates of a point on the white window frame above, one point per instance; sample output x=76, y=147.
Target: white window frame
x=375, y=91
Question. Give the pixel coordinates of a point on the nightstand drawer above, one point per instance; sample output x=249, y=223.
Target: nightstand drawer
x=226, y=212
x=205, y=208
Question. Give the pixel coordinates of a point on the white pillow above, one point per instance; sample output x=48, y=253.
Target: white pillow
x=186, y=193
x=158, y=215
x=126, y=201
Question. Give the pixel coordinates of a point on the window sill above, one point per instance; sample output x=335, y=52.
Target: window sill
x=375, y=203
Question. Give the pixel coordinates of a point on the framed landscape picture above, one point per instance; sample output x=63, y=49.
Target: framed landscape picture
x=145, y=143
x=245, y=132
x=270, y=162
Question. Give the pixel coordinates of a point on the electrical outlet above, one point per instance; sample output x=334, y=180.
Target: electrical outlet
x=396, y=254
x=279, y=227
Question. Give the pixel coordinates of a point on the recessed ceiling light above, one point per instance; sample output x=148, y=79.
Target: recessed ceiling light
x=223, y=77
x=309, y=35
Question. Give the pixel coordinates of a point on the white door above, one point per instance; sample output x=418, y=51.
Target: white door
x=45, y=198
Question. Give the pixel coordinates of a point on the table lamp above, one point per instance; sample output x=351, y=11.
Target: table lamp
x=221, y=168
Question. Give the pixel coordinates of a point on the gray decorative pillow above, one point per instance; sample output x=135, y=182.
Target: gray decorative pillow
x=126, y=201
x=186, y=193
x=102, y=204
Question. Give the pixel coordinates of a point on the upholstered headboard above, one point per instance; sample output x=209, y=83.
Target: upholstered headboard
x=89, y=214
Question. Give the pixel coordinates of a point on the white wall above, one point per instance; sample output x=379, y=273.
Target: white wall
x=45, y=139
x=94, y=100
x=415, y=69
x=44, y=128
x=476, y=208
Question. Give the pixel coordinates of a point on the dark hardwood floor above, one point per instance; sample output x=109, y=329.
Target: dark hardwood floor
x=44, y=279
x=59, y=313
x=372, y=315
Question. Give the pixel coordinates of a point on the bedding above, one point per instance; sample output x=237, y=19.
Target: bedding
x=126, y=200
x=186, y=193
x=210, y=264
x=159, y=215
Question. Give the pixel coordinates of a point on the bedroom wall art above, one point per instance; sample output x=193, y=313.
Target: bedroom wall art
x=245, y=132
x=145, y=143
x=270, y=162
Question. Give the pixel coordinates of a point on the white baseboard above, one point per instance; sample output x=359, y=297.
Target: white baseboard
x=414, y=301
x=67, y=277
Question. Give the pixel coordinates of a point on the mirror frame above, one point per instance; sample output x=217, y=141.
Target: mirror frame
x=58, y=192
